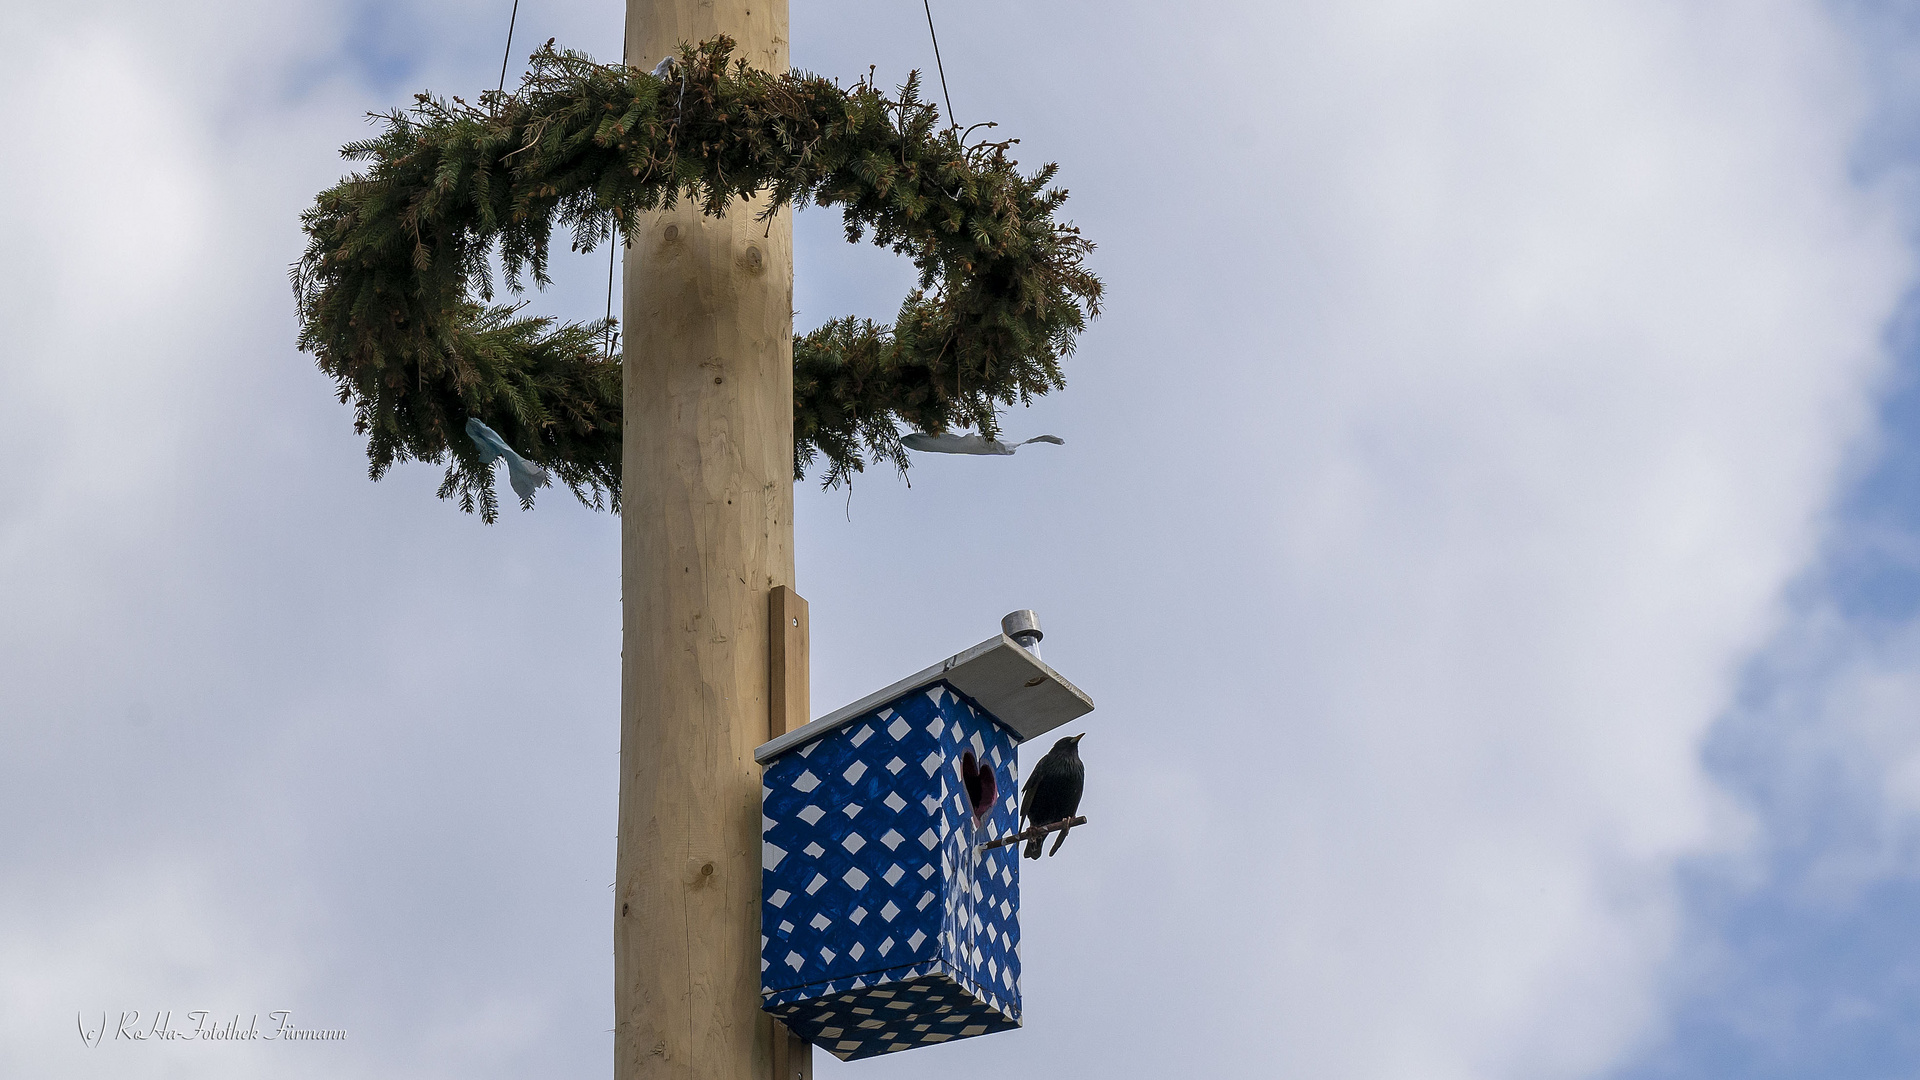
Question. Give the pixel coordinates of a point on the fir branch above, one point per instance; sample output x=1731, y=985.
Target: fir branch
x=395, y=289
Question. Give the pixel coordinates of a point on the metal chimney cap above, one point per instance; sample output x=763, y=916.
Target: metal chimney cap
x=1022, y=622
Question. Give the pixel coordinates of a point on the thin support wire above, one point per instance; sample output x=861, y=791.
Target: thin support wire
x=613, y=233
x=509, y=53
x=938, y=66
x=613, y=335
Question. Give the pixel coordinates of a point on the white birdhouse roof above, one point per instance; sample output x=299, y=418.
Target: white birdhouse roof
x=1008, y=681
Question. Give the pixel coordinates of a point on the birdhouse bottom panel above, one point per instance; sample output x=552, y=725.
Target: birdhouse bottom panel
x=898, y=1009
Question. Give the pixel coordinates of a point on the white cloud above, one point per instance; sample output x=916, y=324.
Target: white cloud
x=1532, y=339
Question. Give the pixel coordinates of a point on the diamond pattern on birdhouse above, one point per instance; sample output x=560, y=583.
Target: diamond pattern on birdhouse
x=884, y=926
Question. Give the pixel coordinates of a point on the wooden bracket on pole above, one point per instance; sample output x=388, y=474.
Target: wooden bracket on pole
x=787, y=652
x=787, y=709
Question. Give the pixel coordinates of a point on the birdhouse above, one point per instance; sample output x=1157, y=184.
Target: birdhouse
x=885, y=925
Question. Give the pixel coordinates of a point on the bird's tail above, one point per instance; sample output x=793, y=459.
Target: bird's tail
x=1032, y=850
x=1058, y=840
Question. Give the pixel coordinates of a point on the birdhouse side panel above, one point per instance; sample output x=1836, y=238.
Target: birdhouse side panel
x=981, y=927
x=852, y=827
x=870, y=857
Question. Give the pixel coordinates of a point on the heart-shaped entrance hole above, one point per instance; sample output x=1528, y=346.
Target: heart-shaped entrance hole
x=981, y=786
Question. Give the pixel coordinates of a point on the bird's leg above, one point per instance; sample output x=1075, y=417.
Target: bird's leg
x=1060, y=839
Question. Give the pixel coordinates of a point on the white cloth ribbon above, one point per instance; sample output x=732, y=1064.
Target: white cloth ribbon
x=969, y=444
x=524, y=475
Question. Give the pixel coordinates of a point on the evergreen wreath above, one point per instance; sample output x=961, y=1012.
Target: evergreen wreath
x=397, y=256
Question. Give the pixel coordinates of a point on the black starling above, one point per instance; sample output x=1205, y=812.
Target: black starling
x=1052, y=792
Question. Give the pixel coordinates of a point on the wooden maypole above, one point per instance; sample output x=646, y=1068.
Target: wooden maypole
x=706, y=536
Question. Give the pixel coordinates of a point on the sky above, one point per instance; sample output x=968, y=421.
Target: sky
x=1489, y=527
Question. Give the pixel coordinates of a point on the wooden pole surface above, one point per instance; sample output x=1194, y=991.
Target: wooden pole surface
x=706, y=533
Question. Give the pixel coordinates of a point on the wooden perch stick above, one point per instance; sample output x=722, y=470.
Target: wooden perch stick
x=1034, y=833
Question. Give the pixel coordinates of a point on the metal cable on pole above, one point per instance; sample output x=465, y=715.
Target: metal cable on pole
x=613, y=231
x=509, y=53
x=937, y=65
x=613, y=250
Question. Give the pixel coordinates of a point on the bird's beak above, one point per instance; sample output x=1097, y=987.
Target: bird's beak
x=1077, y=738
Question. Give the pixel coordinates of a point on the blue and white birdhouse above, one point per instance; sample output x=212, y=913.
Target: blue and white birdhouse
x=884, y=924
